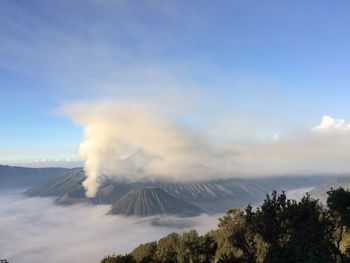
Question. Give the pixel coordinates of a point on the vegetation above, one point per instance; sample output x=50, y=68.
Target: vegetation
x=118, y=259
x=280, y=230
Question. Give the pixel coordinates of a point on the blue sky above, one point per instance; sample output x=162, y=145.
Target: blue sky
x=274, y=66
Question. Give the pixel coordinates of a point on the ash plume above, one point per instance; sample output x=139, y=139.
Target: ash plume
x=133, y=141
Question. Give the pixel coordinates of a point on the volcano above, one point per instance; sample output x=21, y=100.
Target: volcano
x=150, y=201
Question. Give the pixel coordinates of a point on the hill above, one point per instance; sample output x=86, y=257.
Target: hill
x=67, y=182
x=152, y=201
x=14, y=176
x=69, y=190
x=320, y=192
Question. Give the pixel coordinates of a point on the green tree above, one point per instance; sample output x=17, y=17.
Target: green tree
x=208, y=247
x=338, y=202
x=167, y=248
x=145, y=252
x=246, y=244
x=295, y=231
x=118, y=259
x=280, y=230
x=189, y=248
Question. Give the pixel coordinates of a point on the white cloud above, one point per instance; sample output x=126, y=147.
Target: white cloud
x=331, y=125
x=35, y=230
x=40, y=156
x=46, y=162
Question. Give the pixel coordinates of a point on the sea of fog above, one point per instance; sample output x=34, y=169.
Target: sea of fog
x=299, y=193
x=36, y=230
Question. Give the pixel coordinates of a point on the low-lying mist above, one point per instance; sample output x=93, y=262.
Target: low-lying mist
x=36, y=230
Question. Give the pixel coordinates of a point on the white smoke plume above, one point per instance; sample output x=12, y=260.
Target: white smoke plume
x=132, y=141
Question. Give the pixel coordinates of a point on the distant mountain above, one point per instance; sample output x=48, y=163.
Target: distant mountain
x=153, y=201
x=14, y=177
x=320, y=192
x=69, y=181
x=68, y=189
x=213, y=196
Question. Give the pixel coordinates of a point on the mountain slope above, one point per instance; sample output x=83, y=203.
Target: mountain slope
x=152, y=201
x=213, y=196
x=218, y=195
x=320, y=192
x=191, y=191
x=14, y=176
x=68, y=189
x=107, y=194
x=71, y=180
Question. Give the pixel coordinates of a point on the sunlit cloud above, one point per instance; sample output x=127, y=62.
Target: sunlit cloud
x=330, y=125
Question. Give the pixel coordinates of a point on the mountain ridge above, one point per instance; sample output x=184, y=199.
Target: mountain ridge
x=212, y=196
x=17, y=176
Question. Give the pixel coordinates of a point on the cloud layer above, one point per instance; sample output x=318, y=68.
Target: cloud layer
x=132, y=141
x=35, y=230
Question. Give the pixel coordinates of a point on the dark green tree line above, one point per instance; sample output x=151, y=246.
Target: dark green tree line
x=279, y=230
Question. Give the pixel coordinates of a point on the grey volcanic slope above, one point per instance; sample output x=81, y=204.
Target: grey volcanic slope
x=152, y=201
x=192, y=191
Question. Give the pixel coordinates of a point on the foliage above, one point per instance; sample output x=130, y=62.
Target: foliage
x=166, y=248
x=338, y=202
x=118, y=259
x=145, y=252
x=295, y=231
x=280, y=230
